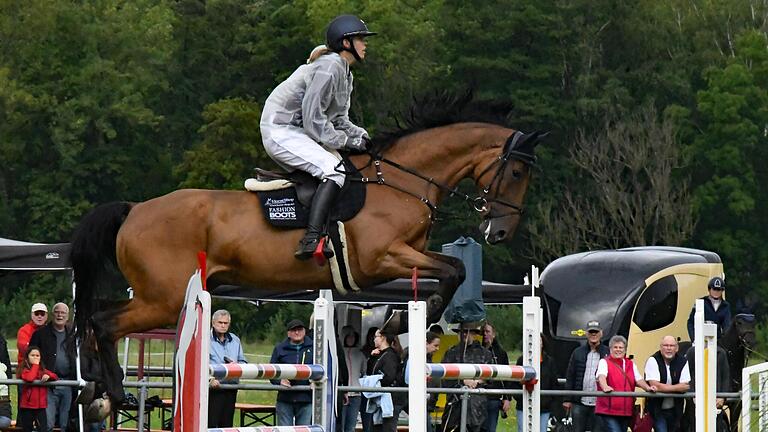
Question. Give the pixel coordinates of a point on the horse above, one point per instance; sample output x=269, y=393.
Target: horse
x=736, y=342
x=155, y=244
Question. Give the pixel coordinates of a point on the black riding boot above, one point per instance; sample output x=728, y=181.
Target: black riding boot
x=324, y=198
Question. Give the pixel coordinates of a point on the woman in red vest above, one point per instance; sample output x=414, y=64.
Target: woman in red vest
x=618, y=373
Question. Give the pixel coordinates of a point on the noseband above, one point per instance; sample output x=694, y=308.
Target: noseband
x=478, y=203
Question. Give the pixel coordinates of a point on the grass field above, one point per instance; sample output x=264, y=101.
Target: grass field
x=160, y=354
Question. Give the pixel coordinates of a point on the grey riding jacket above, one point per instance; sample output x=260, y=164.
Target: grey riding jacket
x=316, y=99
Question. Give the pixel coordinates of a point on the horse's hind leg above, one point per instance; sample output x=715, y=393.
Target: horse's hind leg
x=109, y=326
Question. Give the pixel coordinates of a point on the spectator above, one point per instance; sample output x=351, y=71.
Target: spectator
x=57, y=348
x=37, y=320
x=5, y=373
x=716, y=309
x=582, y=370
x=618, y=373
x=668, y=371
x=225, y=348
x=368, y=347
x=294, y=408
x=499, y=356
x=468, y=350
x=722, y=385
x=34, y=398
x=387, y=354
x=356, y=368
x=548, y=381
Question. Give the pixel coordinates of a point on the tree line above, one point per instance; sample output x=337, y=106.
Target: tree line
x=658, y=111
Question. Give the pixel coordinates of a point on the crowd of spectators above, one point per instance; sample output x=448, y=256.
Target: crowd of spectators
x=45, y=353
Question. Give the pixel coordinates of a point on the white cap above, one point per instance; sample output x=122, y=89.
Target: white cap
x=39, y=307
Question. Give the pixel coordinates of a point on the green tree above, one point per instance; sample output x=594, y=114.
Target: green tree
x=727, y=164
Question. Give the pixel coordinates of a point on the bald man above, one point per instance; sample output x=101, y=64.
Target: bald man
x=668, y=371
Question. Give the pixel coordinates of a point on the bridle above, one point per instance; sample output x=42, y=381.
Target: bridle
x=478, y=203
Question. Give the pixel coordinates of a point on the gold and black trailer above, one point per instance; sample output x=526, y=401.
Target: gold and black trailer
x=641, y=293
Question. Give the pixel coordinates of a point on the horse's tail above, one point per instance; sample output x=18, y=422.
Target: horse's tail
x=94, y=257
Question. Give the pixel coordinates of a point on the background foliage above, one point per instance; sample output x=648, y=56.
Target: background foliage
x=111, y=100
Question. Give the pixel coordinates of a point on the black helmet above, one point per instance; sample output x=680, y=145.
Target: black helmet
x=716, y=283
x=345, y=27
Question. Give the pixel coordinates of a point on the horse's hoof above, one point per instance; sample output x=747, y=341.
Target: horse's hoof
x=87, y=394
x=98, y=410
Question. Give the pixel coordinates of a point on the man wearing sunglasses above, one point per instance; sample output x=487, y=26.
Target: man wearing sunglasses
x=38, y=319
x=716, y=309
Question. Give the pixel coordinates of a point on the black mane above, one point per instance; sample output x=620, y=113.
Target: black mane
x=441, y=109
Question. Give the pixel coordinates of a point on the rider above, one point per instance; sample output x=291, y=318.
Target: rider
x=306, y=120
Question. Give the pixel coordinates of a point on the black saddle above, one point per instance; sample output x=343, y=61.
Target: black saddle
x=289, y=207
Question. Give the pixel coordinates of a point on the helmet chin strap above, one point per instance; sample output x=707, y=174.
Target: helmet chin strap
x=352, y=49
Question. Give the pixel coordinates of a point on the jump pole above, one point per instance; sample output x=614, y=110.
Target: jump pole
x=192, y=370
x=705, y=351
x=420, y=370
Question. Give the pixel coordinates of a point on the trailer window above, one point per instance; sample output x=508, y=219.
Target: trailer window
x=657, y=305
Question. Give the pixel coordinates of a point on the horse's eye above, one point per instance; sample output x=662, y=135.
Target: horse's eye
x=517, y=174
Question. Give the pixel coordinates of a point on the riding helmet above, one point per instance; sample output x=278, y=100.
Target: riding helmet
x=345, y=27
x=716, y=283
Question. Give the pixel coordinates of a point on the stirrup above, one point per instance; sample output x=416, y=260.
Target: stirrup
x=313, y=246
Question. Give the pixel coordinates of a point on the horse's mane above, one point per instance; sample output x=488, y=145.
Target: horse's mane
x=441, y=109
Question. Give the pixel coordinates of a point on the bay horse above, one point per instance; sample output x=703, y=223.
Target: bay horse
x=155, y=243
x=738, y=341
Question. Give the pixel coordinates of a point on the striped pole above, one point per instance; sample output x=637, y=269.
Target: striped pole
x=312, y=372
x=480, y=371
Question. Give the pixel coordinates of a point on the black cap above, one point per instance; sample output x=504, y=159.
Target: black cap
x=594, y=325
x=292, y=324
x=716, y=283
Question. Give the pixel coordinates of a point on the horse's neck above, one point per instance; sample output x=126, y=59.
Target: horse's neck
x=732, y=345
x=446, y=155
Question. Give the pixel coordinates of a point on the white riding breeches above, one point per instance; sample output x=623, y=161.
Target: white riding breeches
x=290, y=147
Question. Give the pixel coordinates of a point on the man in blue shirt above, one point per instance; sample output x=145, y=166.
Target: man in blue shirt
x=225, y=348
x=293, y=408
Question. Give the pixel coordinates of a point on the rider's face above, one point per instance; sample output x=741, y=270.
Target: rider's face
x=360, y=44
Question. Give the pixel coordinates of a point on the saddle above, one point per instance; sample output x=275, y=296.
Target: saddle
x=286, y=197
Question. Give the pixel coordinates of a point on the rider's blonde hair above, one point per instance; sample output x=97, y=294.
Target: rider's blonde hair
x=318, y=51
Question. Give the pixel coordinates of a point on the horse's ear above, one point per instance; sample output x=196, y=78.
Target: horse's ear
x=528, y=142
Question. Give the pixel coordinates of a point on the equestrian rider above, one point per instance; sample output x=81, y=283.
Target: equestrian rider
x=306, y=120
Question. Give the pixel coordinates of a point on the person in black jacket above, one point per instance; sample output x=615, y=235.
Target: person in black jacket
x=293, y=408
x=57, y=350
x=716, y=309
x=385, y=360
x=495, y=404
x=582, y=368
x=469, y=350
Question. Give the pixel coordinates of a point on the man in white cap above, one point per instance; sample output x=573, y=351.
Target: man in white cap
x=38, y=319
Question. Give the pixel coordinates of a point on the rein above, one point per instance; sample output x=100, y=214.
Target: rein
x=478, y=203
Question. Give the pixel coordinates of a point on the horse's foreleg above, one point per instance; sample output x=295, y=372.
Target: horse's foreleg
x=450, y=283
x=449, y=271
